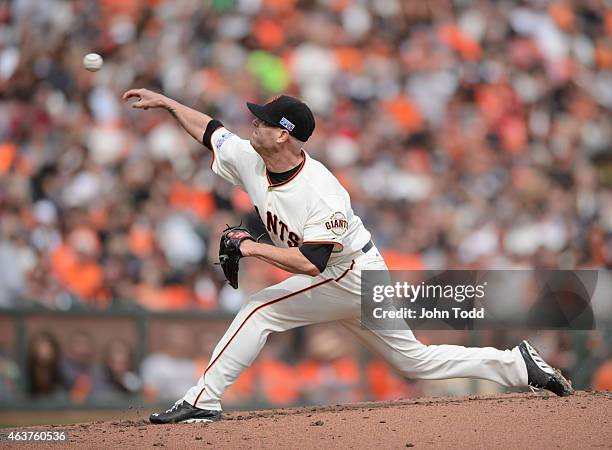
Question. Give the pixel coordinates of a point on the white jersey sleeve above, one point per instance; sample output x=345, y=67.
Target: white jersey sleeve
x=232, y=156
x=327, y=222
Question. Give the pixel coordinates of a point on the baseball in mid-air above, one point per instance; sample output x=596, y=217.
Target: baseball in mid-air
x=92, y=62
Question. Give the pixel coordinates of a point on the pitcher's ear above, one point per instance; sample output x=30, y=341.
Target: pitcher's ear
x=283, y=136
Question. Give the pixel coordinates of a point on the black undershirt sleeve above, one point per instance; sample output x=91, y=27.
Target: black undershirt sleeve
x=318, y=254
x=210, y=129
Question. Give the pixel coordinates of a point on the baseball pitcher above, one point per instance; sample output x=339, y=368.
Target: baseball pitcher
x=317, y=237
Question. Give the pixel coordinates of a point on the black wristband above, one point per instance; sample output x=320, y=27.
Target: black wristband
x=210, y=129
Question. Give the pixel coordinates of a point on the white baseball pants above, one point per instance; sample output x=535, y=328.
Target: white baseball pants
x=335, y=295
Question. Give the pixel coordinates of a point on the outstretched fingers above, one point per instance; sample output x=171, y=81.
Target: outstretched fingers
x=145, y=99
x=132, y=93
x=140, y=103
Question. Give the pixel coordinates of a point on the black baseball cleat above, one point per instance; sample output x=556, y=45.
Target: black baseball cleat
x=540, y=375
x=185, y=413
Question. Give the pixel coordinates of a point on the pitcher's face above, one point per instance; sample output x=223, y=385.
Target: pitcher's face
x=265, y=135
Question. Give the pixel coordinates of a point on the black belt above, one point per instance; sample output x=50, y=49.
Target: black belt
x=368, y=246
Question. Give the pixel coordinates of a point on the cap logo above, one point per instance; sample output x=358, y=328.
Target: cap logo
x=287, y=124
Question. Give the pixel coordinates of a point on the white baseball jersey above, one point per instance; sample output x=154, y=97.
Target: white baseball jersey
x=310, y=207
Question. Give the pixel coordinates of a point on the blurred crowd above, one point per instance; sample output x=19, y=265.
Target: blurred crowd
x=88, y=370
x=76, y=373
x=307, y=366
x=470, y=134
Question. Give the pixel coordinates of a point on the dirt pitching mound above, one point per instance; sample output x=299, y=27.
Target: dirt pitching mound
x=506, y=421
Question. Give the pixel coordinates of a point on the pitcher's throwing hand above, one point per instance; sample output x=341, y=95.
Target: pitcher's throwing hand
x=146, y=99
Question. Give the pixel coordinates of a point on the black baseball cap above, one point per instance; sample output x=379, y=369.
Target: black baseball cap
x=286, y=112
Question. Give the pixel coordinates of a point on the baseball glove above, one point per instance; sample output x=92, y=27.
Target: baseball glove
x=229, y=252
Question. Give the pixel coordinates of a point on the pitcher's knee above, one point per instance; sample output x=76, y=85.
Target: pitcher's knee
x=410, y=361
